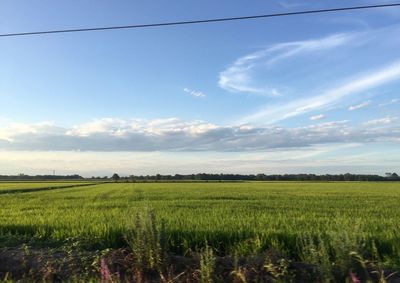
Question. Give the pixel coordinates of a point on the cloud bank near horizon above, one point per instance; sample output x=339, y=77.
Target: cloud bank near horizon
x=174, y=135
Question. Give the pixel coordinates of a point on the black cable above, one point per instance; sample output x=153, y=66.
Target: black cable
x=202, y=21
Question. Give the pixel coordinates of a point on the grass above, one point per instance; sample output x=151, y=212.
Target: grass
x=313, y=222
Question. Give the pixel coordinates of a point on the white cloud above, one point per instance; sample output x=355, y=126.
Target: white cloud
x=303, y=76
x=194, y=93
x=109, y=126
x=328, y=98
x=381, y=121
x=157, y=127
x=359, y=106
x=11, y=130
x=392, y=101
x=113, y=134
x=238, y=77
x=330, y=124
x=317, y=117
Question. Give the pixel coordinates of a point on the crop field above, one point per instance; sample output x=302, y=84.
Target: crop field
x=232, y=218
x=221, y=213
x=8, y=187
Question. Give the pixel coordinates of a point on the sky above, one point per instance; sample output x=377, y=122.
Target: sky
x=304, y=94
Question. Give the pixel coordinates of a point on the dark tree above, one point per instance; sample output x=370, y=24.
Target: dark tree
x=115, y=177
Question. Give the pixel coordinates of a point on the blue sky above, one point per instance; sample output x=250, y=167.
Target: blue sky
x=314, y=94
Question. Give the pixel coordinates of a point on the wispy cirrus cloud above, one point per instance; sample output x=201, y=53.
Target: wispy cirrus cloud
x=317, y=117
x=359, y=106
x=328, y=98
x=239, y=77
x=328, y=73
x=390, y=102
x=194, y=93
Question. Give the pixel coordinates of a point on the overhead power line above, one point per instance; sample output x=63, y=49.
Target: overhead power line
x=191, y=22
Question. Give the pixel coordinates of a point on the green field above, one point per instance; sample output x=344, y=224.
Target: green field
x=235, y=218
x=10, y=187
x=221, y=213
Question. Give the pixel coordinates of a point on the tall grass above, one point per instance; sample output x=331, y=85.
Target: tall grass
x=147, y=241
x=207, y=265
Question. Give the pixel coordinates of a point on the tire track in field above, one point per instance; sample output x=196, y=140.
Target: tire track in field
x=30, y=190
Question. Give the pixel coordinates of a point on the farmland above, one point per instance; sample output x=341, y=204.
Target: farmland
x=243, y=218
x=25, y=186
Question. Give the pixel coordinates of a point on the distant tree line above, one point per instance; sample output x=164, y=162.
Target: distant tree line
x=23, y=177
x=209, y=177
x=262, y=177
